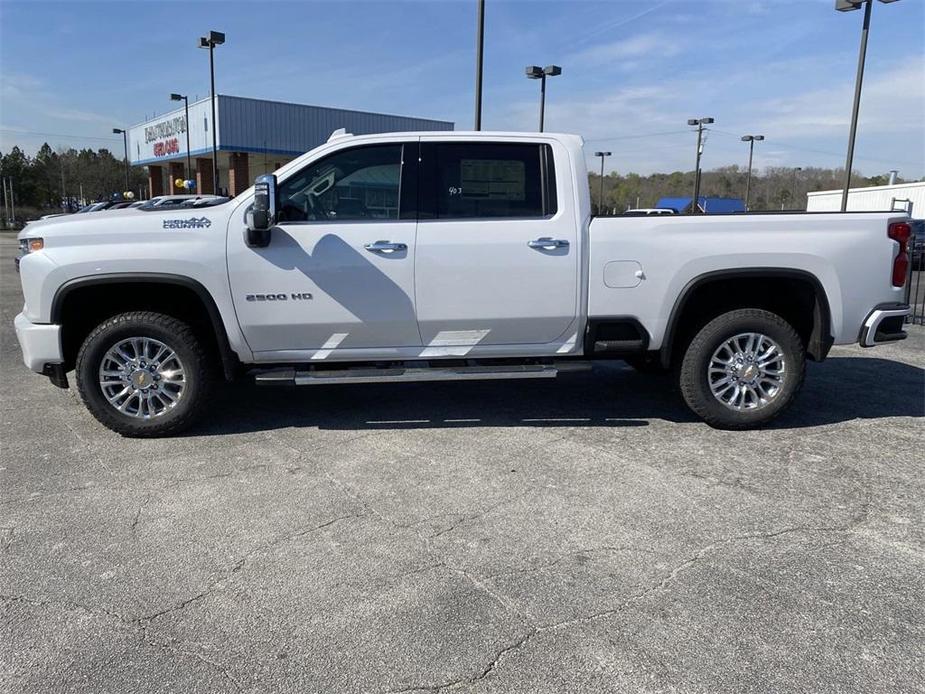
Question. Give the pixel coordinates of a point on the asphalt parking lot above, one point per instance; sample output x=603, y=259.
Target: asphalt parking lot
x=579, y=535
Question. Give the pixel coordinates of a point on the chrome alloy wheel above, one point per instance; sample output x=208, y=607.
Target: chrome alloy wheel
x=747, y=371
x=142, y=377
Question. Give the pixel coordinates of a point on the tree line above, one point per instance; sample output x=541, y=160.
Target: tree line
x=773, y=188
x=52, y=180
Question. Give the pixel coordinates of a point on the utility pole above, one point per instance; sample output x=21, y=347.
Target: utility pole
x=751, y=140
x=793, y=184
x=600, y=204
x=6, y=205
x=479, y=47
x=699, y=122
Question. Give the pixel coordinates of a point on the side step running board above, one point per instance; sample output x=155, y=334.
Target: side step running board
x=401, y=374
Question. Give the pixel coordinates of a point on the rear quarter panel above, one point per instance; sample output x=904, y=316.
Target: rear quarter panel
x=849, y=254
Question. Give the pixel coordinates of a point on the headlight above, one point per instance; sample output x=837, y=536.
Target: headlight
x=27, y=246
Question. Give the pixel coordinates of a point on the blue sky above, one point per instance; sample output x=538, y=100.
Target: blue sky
x=634, y=71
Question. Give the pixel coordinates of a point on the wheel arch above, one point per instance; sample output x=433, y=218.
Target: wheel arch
x=92, y=285
x=815, y=330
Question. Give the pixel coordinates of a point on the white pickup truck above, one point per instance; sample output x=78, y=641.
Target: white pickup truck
x=445, y=256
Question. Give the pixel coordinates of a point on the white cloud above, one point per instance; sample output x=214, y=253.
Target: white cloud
x=645, y=126
x=652, y=45
x=32, y=98
x=891, y=102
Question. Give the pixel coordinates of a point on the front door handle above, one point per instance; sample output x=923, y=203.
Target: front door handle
x=547, y=243
x=385, y=247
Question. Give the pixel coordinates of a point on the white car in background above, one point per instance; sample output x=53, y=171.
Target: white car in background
x=648, y=211
x=168, y=201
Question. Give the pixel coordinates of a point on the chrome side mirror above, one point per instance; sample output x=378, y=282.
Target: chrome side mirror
x=262, y=217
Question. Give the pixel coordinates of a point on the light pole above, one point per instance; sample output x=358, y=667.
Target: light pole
x=124, y=134
x=185, y=100
x=535, y=72
x=848, y=6
x=479, y=45
x=215, y=38
x=751, y=140
x=699, y=122
x=600, y=204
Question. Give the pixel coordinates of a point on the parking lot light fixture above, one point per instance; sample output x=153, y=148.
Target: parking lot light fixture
x=600, y=203
x=535, y=72
x=215, y=38
x=699, y=122
x=850, y=6
x=124, y=134
x=185, y=100
x=751, y=140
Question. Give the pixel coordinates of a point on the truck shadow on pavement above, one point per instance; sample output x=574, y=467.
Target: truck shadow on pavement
x=612, y=395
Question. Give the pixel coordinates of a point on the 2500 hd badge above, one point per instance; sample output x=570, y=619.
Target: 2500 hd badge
x=282, y=296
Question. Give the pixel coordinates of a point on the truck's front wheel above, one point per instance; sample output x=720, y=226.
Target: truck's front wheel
x=143, y=374
x=742, y=369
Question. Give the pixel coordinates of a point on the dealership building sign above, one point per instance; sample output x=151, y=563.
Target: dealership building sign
x=166, y=128
x=164, y=136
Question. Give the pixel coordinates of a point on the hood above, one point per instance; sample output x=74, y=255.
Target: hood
x=126, y=221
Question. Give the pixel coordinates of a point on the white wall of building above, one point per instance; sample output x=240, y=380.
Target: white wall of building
x=872, y=199
x=164, y=138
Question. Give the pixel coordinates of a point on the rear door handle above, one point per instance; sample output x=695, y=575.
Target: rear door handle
x=385, y=247
x=547, y=243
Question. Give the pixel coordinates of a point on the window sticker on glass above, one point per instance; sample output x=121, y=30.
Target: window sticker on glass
x=492, y=179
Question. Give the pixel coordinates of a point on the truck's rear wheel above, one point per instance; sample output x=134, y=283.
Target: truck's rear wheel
x=742, y=369
x=143, y=374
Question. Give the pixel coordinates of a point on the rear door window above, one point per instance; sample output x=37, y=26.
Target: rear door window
x=481, y=180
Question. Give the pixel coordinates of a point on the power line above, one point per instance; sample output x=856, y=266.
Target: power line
x=775, y=142
x=43, y=134
x=636, y=137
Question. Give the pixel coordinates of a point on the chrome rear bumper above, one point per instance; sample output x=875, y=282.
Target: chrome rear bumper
x=884, y=324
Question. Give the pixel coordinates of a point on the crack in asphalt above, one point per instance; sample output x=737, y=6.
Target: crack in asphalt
x=143, y=622
x=239, y=564
x=141, y=507
x=662, y=584
x=7, y=540
x=506, y=603
x=171, y=650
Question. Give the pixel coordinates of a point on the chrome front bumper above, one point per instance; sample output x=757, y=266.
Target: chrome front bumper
x=884, y=324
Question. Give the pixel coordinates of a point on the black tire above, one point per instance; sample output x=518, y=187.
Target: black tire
x=174, y=333
x=646, y=364
x=695, y=386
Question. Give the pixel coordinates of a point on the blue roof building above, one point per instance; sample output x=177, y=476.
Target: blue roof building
x=706, y=205
x=252, y=137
